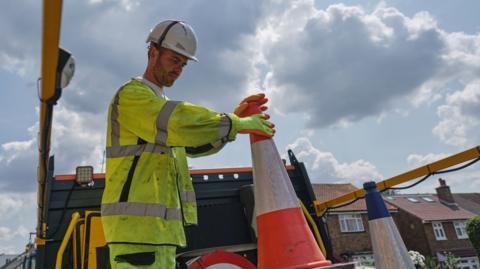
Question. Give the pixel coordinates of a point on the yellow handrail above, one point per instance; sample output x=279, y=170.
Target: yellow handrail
x=402, y=178
x=66, y=238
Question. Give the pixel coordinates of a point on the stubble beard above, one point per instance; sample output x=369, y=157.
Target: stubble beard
x=161, y=76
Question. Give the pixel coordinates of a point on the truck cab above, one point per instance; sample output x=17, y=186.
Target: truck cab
x=226, y=217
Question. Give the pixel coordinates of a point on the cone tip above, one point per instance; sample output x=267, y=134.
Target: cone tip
x=370, y=185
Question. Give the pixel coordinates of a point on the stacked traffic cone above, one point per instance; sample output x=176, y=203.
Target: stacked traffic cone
x=284, y=238
x=388, y=247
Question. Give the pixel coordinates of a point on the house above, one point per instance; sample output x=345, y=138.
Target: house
x=435, y=225
x=468, y=201
x=348, y=225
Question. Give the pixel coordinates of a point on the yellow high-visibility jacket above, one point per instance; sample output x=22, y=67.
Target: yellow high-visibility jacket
x=149, y=196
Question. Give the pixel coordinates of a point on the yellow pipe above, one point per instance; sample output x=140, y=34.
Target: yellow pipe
x=66, y=238
x=52, y=12
x=315, y=228
x=402, y=178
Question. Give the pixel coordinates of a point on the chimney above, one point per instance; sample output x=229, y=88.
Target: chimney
x=444, y=194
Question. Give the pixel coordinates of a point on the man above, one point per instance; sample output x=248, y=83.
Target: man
x=149, y=197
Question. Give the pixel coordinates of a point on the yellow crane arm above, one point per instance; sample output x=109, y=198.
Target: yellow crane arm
x=52, y=12
x=452, y=160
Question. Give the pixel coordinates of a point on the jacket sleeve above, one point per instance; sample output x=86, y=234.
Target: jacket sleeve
x=205, y=150
x=173, y=123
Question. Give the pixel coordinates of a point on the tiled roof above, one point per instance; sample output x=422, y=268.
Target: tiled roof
x=468, y=201
x=325, y=192
x=428, y=210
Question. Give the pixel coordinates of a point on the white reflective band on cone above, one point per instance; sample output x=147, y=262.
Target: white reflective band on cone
x=271, y=179
x=388, y=247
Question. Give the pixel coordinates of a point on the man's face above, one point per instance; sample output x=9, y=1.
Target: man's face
x=167, y=66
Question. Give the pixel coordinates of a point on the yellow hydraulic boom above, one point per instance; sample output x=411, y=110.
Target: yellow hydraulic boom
x=52, y=11
x=437, y=166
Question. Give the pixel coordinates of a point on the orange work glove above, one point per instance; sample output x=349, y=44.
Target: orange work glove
x=259, y=99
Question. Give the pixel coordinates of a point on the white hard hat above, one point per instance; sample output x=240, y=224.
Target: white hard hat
x=175, y=35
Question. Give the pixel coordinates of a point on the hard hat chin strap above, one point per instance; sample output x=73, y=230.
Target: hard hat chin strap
x=165, y=32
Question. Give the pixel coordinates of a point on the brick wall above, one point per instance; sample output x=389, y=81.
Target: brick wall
x=452, y=241
x=412, y=231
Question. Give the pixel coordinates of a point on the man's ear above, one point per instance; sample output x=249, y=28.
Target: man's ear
x=151, y=52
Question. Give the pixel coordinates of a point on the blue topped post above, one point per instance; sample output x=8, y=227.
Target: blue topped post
x=375, y=205
x=388, y=247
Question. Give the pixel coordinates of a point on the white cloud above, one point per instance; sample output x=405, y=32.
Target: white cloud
x=12, y=64
x=415, y=160
x=343, y=64
x=324, y=166
x=18, y=165
x=78, y=138
x=4, y=233
x=18, y=213
x=460, y=117
x=10, y=204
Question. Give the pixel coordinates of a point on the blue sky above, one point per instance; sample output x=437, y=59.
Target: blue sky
x=359, y=90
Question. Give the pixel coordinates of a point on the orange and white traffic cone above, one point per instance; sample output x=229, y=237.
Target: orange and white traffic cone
x=284, y=238
x=388, y=247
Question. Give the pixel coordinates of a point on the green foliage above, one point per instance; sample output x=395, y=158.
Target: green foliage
x=451, y=261
x=367, y=263
x=473, y=230
x=430, y=263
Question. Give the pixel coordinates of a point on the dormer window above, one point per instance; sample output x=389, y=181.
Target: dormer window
x=428, y=199
x=413, y=200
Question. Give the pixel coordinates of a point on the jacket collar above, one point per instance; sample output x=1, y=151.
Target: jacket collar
x=156, y=89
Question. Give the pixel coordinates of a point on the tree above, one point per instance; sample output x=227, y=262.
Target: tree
x=473, y=230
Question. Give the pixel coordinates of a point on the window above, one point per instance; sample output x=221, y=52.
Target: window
x=413, y=200
x=351, y=223
x=468, y=263
x=438, y=231
x=460, y=229
x=428, y=199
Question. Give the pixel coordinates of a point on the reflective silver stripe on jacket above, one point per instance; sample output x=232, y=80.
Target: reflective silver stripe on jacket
x=162, y=121
x=136, y=150
x=188, y=196
x=224, y=127
x=142, y=210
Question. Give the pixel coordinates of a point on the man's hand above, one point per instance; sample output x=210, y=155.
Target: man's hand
x=256, y=124
x=259, y=99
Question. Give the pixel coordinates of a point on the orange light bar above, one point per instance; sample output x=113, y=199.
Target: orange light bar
x=98, y=176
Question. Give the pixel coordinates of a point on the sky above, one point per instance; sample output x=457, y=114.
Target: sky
x=359, y=90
